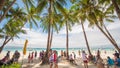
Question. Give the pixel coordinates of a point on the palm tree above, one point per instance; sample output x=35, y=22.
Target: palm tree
x=117, y=8
x=9, y=31
x=2, y=3
x=97, y=16
x=13, y=27
x=115, y=4
x=54, y=26
x=93, y=11
x=2, y=16
x=80, y=16
x=29, y=3
x=18, y=16
x=67, y=21
x=53, y=6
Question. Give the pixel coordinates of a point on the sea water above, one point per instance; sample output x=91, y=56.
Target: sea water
x=93, y=50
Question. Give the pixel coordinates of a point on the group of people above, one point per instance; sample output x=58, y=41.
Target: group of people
x=53, y=58
x=72, y=58
x=97, y=59
x=32, y=56
x=111, y=62
x=7, y=60
x=116, y=60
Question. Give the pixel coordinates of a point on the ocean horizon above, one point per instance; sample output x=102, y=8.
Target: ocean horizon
x=13, y=48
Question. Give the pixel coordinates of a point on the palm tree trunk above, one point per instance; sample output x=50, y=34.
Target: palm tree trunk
x=108, y=37
x=109, y=33
x=116, y=8
x=86, y=39
x=51, y=37
x=2, y=3
x=67, y=41
x=2, y=17
x=46, y=59
x=4, y=43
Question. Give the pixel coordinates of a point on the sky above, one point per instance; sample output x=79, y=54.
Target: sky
x=38, y=39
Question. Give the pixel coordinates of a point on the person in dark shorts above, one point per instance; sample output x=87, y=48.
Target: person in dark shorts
x=85, y=59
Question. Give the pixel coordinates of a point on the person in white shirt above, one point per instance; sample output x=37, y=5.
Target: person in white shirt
x=84, y=58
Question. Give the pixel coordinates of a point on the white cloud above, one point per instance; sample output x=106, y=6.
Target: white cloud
x=114, y=25
x=76, y=37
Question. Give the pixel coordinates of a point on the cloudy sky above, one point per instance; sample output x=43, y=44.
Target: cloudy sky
x=38, y=39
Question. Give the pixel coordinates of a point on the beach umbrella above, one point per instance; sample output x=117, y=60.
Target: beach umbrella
x=25, y=46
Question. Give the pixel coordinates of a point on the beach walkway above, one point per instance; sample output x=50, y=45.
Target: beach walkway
x=61, y=64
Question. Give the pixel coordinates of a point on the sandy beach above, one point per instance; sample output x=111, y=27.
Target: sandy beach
x=61, y=64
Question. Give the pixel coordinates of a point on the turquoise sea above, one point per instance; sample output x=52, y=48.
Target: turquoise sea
x=11, y=48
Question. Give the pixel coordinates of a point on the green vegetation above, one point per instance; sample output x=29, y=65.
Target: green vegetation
x=12, y=66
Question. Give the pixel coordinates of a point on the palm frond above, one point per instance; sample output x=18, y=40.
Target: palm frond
x=41, y=5
x=60, y=8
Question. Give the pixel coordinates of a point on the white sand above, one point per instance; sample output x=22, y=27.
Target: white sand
x=61, y=64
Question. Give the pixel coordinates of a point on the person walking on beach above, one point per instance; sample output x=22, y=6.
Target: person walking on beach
x=79, y=53
x=8, y=55
x=51, y=58
x=99, y=60
x=35, y=54
x=62, y=53
x=29, y=58
x=32, y=57
x=84, y=58
x=98, y=53
x=55, y=59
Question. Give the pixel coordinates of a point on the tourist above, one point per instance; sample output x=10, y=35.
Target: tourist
x=110, y=62
x=16, y=56
x=32, y=57
x=79, y=53
x=35, y=54
x=85, y=59
x=116, y=54
x=8, y=55
x=116, y=61
x=62, y=53
x=99, y=62
x=71, y=58
x=29, y=58
x=51, y=58
x=55, y=59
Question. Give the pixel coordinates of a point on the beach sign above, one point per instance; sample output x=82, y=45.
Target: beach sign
x=25, y=46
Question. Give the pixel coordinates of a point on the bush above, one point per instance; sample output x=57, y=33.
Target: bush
x=12, y=66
